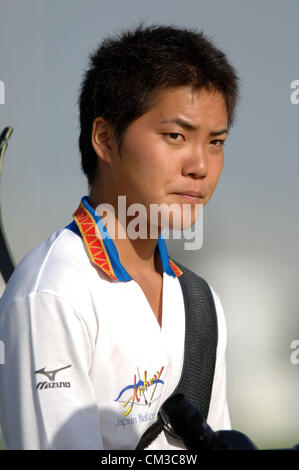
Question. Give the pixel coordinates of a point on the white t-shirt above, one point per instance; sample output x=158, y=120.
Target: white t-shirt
x=87, y=365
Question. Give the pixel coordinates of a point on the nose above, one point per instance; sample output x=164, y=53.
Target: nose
x=196, y=163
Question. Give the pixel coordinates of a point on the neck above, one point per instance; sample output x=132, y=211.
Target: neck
x=139, y=256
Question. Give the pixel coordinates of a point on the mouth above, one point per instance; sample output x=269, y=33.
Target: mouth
x=191, y=196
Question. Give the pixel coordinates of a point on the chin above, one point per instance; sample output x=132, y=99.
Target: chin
x=181, y=223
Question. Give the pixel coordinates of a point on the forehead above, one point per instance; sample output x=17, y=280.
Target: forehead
x=199, y=106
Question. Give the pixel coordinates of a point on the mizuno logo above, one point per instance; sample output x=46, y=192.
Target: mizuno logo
x=51, y=374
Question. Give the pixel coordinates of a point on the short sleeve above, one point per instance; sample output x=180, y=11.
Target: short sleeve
x=47, y=399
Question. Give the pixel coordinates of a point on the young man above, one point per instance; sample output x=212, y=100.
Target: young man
x=94, y=324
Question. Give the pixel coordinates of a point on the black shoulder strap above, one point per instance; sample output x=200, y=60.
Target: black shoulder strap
x=201, y=336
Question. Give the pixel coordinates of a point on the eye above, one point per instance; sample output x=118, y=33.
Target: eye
x=175, y=136
x=218, y=143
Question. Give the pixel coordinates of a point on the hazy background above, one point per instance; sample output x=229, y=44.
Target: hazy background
x=251, y=225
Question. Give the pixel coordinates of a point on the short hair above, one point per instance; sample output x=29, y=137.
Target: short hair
x=127, y=71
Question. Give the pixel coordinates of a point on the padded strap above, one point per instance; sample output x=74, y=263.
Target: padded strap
x=201, y=336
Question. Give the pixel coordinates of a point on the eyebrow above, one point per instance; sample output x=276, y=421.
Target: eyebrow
x=187, y=125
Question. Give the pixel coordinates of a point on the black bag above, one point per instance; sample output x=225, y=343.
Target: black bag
x=201, y=336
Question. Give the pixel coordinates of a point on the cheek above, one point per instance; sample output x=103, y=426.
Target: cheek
x=216, y=169
x=147, y=165
x=214, y=175
x=144, y=161
x=139, y=176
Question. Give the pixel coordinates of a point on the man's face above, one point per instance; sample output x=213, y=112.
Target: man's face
x=173, y=154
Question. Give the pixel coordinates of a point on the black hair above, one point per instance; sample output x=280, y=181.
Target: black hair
x=127, y=71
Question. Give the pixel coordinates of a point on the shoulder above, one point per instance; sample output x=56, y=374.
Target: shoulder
x=192, y=282
x=59, y=267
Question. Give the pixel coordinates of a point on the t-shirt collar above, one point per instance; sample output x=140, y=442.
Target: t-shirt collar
x=101, y=248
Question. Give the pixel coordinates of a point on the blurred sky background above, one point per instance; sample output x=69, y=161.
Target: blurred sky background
x=251, y=225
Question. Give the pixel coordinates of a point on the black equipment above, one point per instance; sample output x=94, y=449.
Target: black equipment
x=201, y=335
x=7, y=263
x=183, y=419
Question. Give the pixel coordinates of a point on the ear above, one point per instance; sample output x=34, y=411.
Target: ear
x=102, y=139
